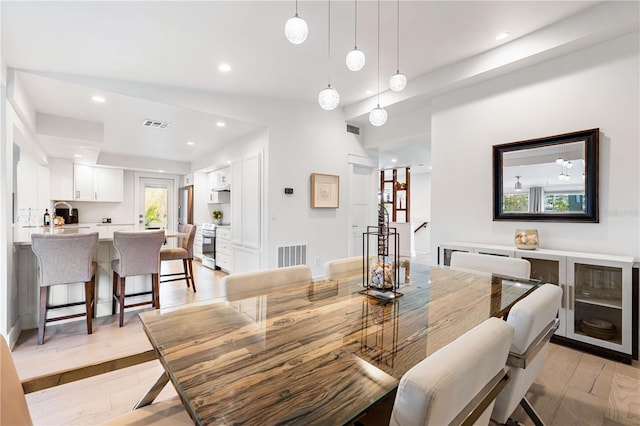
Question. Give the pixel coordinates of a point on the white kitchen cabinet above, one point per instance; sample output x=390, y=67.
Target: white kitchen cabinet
x=98, y=183
x=220, y=180
x=246, y=212
x=223, y=248
x=197, y=243
x=596, y=288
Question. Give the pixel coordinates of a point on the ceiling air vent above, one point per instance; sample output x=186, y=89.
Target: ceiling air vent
x=353, y=129
x=156, y=124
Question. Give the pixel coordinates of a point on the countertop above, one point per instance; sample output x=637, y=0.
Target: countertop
x=22, y=235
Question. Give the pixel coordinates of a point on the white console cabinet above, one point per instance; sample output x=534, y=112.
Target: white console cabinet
x=597, y=288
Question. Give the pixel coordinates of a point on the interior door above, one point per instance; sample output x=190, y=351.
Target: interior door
x=363, y=196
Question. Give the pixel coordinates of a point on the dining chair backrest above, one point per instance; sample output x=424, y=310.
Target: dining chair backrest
x=502, y=265
x=530, y=318
x=249, y=284
x=64, y=258
x=439, y=388
x=343, y=268
x=13, y=404
x=187, y=242
x=139, y=252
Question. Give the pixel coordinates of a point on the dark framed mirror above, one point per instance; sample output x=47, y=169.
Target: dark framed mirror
x=550, y=179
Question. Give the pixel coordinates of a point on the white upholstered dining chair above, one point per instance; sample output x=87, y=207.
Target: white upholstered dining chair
x=455, y=380
x=65, y=259
x=502, y=265
x=15, y=411
x=534, y=321
x=248, y=284
x=343, y=268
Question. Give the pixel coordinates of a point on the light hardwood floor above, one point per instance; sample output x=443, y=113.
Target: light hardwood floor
x=573, y=388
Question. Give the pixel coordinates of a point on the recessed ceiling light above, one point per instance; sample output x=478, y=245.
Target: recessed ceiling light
x=160, y=171
x=228, y=161
x=77, y=155
x=502, y=36
x=221, y=124
x=369, y=92
x=393, y=160
x=98, y=99
x=190, y=143
x=224, y=67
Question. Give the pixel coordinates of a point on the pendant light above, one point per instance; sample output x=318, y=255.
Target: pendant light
x=329, y=98
x=378, y=116
x=355, y=59
x=398, y=81
x=296, y=29
x=518, y=185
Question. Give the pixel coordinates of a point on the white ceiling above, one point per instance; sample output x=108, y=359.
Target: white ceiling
x=182, y=44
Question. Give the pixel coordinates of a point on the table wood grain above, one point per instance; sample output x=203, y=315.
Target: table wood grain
x=319, y=352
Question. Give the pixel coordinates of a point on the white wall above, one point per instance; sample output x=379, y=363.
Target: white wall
x=421, y=210
x=595, y=87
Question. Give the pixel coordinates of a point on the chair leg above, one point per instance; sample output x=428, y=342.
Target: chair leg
x=95, y=297
x=193, y=281
x=528, y=408
x=186, y=272
x=121, y=299
x=114, y=293
x=44, y=292
x=155, y=283
x=88, y=303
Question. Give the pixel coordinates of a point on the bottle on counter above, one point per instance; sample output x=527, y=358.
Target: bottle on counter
x=47, y=218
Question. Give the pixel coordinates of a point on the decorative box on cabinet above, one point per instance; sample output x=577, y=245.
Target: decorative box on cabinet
x=595, y=287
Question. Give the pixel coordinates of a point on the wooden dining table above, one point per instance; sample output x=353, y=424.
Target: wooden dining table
x=317, y=352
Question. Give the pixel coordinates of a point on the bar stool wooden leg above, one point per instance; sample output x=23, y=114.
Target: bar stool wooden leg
x=186, y=272
x=95, y=296
x=88, y=303
x=114, y=293
x=44, y=293
x=155, y=283
x=193, y=281
x=121, y=299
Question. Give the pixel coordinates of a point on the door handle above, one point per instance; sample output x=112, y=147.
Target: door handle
x=570, y=297
x=564, y=294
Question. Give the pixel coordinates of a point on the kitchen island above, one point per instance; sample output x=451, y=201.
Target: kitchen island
x=27, y=276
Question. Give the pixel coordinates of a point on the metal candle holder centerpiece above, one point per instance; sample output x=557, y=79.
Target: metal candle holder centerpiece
x=382, y=277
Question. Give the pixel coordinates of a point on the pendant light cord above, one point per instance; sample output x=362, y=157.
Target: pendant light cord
x=329, y=47
x=397, y=40
x=355, y=26
x=378, y=53
x=296, y=7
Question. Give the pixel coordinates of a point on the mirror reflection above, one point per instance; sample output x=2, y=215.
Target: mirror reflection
x=554, y=178
x=545, y=179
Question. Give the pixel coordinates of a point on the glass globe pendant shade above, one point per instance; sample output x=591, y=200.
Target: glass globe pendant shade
x=296, y=30
x=397, y=82
x=355, y=59
x=378, y=116
x=329, y=98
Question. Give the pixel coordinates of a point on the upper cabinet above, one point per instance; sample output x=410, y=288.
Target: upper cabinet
x=220, y=180
x=92, y=183
x=60, y=179
x=219, y=185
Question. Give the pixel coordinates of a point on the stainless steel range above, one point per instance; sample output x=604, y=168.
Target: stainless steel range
x=209, y=245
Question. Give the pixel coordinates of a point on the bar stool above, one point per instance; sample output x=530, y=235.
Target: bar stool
x=65, y=259
x=184, y=253
x=139, y=254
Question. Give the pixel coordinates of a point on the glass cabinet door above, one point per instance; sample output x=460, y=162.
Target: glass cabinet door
x=600, y=304
x=551, y=270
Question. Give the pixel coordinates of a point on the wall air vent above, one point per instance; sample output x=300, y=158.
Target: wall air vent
x=353, y=129
x=156, y=124
x=292, y=255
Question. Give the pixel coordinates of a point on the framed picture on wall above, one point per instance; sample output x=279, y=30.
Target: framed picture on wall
x=325, y=191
